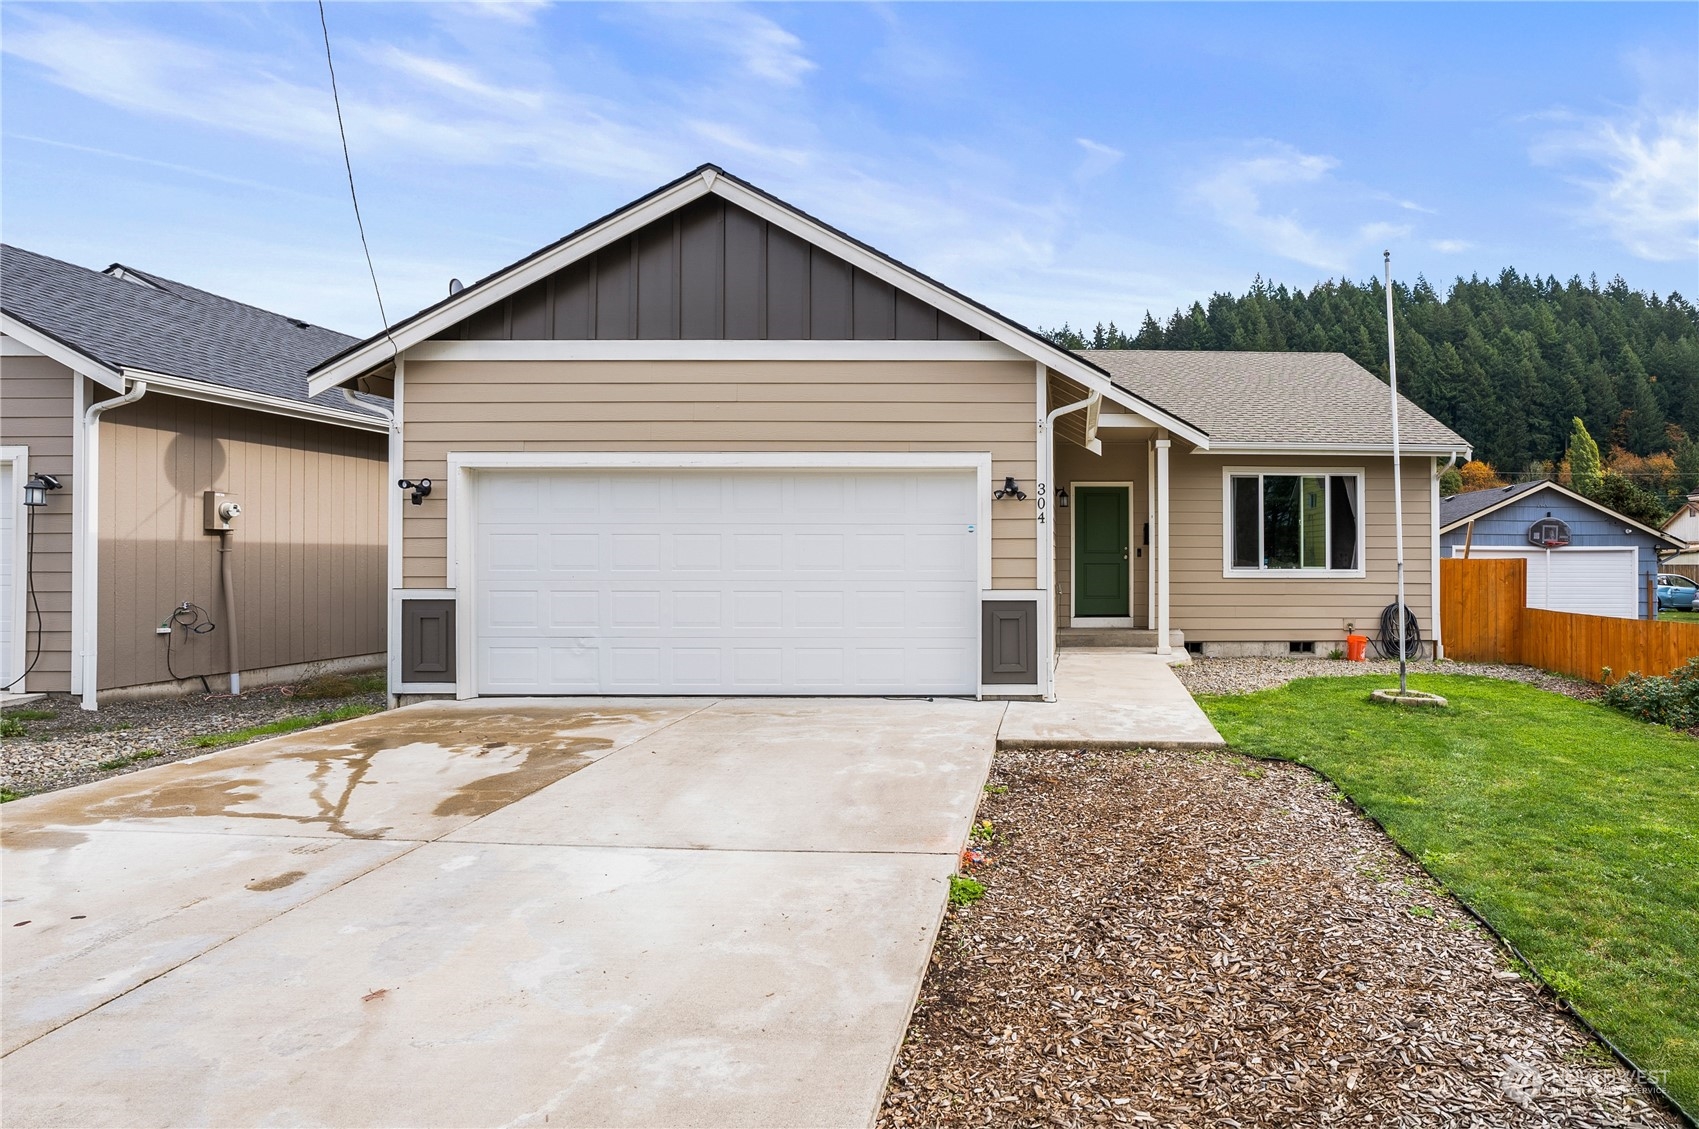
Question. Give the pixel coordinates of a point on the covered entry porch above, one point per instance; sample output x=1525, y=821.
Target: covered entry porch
x=1110, y=528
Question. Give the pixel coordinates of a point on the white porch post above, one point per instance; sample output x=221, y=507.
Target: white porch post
x=1150, y=523
x=1162, y=635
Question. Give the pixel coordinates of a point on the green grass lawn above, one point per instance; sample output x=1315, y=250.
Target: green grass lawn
x=1679, y=617
x=1571, y=828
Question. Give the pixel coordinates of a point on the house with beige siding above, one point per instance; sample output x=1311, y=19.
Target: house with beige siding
x=711, y=445
x=197, y=504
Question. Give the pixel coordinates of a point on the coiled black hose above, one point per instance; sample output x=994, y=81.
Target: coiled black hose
x=1386, y=644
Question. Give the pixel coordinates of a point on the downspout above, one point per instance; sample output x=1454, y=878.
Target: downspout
x=1047, y=463
x=90, y=491
x=392, y=528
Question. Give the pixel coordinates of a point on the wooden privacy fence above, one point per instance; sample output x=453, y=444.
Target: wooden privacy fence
x=1484, y=618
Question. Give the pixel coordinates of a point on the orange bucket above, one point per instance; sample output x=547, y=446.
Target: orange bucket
x=1357, y=648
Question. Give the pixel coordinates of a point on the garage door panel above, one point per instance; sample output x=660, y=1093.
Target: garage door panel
x=1587, y=581
x=727, y=582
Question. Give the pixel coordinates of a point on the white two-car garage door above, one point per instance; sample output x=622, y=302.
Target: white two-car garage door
x=717, y=581
x=1589, y=581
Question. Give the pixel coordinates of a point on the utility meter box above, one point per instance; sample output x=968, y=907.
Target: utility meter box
x=220, y=510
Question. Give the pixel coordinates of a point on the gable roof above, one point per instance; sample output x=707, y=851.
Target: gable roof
x=1473, y=504
x=130, y=323
x=1253, y=400
x=379, y=350
x=1468, y=504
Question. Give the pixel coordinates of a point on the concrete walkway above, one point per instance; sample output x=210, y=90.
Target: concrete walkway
x=1108, y=698
x=492, y=913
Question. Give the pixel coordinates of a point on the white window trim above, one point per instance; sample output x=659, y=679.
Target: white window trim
x=1228, y=572
x=464, y=467
x=1074, y=559
x=19, y=658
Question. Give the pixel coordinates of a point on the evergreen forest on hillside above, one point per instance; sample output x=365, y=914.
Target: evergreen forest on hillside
x=1509, y=363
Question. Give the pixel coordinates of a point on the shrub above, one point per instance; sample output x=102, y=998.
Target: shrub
x=1671, y=700
x=11, y=727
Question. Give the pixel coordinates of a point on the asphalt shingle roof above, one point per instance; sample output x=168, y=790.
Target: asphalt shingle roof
x=1471, y=502
x=166, y=327
x=1256, y=398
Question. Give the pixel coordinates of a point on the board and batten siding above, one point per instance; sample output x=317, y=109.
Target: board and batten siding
x=711, y=271
x=309, y=546
x=625, y=406
x=1209, y=607
x=37, y=410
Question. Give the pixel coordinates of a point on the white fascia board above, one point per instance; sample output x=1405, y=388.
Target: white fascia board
x=1332, y=449
x=712, y=350
x=54, y=349
x=254, y=401
x=473, y=299
x=966, y=312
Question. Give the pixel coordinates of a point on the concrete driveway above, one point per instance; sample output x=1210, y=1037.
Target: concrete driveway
x=508, y=913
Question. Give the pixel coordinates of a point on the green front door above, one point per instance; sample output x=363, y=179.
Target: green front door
x=1101, y=545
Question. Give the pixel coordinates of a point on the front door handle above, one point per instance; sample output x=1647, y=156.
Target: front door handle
x=1123, y=552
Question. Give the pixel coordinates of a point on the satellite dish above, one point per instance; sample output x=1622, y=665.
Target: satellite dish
x=455, y=286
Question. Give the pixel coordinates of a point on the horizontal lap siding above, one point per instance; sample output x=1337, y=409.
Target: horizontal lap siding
x=460, y=406
x=36, y=411
x=309, y=546
x=1210, y=607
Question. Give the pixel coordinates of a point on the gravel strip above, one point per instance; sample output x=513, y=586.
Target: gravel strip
x=70, y=747
x=1183, y=939
x=1241, y=676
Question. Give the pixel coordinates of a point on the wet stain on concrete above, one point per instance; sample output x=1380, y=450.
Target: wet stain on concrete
x=39, y=839
x=542, y=766
x=277, y=881
x=549, y=745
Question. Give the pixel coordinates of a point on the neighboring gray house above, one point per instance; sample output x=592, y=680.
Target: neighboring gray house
x=158, y=393
x=1581, y=556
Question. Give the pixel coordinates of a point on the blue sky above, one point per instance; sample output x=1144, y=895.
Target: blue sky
x=1056, y=161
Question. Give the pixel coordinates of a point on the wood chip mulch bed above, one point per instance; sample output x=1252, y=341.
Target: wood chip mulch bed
x=1183, y=939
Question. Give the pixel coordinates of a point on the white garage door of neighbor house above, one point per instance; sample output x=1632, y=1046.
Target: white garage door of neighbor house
x=714, y=581
x=1590, y=581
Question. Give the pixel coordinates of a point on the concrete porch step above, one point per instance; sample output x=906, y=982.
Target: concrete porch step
x=1131, y=638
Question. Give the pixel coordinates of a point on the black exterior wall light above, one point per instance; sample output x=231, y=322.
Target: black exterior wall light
x=1011, y=489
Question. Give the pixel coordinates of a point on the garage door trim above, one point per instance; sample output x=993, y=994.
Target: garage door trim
x=464, y=468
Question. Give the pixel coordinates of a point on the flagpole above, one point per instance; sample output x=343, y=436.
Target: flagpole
x=1397, y=481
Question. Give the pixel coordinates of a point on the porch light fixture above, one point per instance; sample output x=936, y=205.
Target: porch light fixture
x=1062, y=498
x=421, y=489
x=1011, y=489
x=36, y=488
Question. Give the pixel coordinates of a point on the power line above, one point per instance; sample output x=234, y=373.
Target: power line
x=347, y=163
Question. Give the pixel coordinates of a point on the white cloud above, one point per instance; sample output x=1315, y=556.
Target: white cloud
x=453, y=76
x=1641, y=177
x=1099, y=158
x=1451, y=246
x=759, y=46
x=1238, y=191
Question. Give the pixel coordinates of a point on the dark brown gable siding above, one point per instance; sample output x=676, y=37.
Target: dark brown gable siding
x=710, y=272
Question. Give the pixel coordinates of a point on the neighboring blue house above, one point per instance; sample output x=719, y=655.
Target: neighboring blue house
x=1581, y=556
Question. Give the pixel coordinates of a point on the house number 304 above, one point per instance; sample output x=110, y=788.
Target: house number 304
x=1042, y=501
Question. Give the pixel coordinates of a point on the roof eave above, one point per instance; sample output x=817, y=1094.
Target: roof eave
x=227, y=396
x=709, y=179
x=56, y=348
x=1568, y=493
